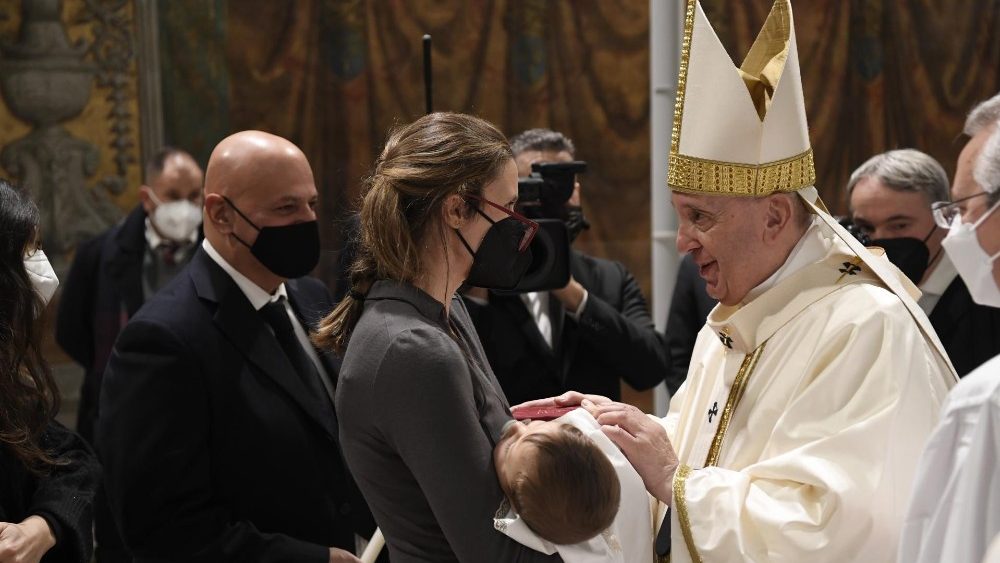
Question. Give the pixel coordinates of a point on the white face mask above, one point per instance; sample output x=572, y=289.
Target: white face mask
x=971, y=261
x=42, y=276
x=176, y=220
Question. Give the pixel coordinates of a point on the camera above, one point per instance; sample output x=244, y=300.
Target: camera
x=542, y=197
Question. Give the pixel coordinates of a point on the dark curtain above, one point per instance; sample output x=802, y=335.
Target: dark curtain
x=335, y=75
x=880, y=74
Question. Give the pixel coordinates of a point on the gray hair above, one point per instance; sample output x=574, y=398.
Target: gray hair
x=905, y=170
x=986, y=170
x=541, y=140
x=982, y=116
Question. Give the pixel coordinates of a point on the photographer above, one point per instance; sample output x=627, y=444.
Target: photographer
x=585, y=336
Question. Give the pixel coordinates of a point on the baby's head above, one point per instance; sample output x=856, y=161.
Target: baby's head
x=558, y=480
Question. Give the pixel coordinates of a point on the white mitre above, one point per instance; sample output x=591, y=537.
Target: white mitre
x=742, y=132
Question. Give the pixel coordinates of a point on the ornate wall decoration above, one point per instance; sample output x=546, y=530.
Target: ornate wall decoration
x=113, y=52
x=74, y=151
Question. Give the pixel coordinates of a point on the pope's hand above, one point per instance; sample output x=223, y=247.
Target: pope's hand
x=567, y=399
x=644, y=442
x=341, y=556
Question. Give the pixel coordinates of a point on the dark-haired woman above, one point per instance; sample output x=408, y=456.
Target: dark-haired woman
x=419, y=407
x=47, y=474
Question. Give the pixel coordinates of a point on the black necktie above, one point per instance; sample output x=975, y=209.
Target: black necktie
x=277, y=316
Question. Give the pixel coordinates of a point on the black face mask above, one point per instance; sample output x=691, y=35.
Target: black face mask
x=576, y=223
x=908, y=254
x=498, y=264
x=288, y=251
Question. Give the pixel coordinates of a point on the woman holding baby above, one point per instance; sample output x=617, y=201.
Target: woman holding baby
x=420, y=410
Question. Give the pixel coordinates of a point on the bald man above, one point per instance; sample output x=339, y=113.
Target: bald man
x=217, y=429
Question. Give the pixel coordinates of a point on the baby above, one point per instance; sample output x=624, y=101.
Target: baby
x=571, y=491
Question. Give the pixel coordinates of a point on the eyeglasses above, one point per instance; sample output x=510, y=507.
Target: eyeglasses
x=945, y=212
x=531, y=227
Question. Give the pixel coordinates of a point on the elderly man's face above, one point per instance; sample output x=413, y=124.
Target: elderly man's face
x=965, y=185
x=725, y=236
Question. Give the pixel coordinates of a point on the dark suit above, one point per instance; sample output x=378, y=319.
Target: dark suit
x=213, y=448
x=689, y=307
x=614, y=338
x=102, y=291
x=970, y=332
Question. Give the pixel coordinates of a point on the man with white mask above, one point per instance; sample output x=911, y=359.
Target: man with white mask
x=954, y=511
x=116, y=272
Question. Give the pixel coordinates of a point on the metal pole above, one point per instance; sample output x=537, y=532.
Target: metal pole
x=148, y=65
x=428, y=90
x=665, y=32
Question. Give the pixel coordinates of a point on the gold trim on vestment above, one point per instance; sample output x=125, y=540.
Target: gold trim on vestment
x=682, y=514
x=702, y=176
x=675, y=132
x=735, y=396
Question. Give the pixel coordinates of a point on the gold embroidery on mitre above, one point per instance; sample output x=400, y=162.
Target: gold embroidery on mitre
x=698, y=175
x=761, y=70
x=675, y=132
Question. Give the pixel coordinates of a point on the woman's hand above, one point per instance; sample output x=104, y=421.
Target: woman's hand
x=567, y=399
x=644, y=442
x=26, y=542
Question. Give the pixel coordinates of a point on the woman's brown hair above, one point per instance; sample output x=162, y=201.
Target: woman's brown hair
x=422, y=164
x=29, y=398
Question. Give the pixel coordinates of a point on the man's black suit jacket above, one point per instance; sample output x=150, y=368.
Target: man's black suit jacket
x=969, y=332
x=614, y=339
x=102, y=291
x=689, y=308
x=213, y=449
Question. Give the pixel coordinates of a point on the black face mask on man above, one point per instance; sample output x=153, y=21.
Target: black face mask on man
x=909, y=254
x=503, y=256
x=288, y=251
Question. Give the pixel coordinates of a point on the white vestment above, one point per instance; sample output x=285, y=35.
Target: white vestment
x=803, y=416
x=954, y=513
x=630, y=537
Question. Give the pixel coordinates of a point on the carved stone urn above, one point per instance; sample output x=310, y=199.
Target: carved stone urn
x=45, y=81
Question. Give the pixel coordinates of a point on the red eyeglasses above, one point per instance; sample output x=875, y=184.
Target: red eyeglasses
x=531, y=227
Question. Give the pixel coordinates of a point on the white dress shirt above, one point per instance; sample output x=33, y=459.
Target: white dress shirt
x=537, y=303
x=936, y=283
x=258, y=297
